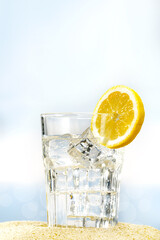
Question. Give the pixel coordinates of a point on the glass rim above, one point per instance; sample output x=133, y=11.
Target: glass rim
x=72, y=114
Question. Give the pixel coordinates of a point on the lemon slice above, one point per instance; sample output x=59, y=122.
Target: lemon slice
x=118, y=117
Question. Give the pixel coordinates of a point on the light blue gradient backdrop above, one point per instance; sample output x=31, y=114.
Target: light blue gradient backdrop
x=62, y=56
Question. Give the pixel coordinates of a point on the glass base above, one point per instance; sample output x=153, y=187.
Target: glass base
x=61, y=218
x=82, y=198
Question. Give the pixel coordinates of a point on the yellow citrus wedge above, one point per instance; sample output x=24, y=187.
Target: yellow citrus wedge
x=118, y=117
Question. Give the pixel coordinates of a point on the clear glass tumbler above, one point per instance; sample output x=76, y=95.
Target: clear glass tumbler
x=82, y=176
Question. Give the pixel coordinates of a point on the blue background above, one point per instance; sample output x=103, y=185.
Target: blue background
x=61, y=56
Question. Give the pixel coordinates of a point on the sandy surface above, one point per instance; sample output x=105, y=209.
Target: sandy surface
x=39, y=230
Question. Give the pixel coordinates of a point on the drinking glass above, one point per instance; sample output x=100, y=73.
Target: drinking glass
x=82, y=176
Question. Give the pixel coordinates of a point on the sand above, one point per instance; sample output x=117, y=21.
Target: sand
x=39, y=230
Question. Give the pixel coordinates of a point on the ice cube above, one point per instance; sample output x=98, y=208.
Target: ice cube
x=87, y=151
x=110, y=158
x=107, y=158
x=84, y=149
x=57, y=150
